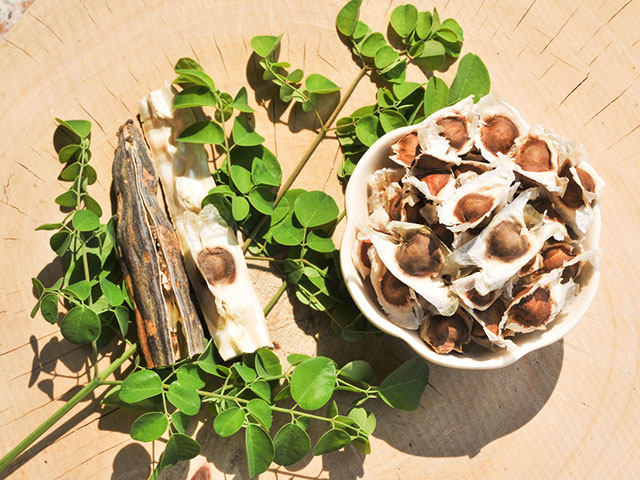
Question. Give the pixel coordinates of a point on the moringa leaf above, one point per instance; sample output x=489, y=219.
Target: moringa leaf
x=149, y=426
x=347, y=18
x=196, y=96
x=313, y=382
x=205, y=132
x=241, y=101
x=435, y=96
x=403, y=388
x=180, y=447
x=184, y=397
x=320, y=84
x=80, y=325
x=244, y=134
x=140, y=385
x=229, y=421
x=315, y=208
x=259, y=448
x=85, y=221
x=472, y=78
x=332, y=440
x=291, y=443
x=403, y=20
x=261, y=411
x=264, y=45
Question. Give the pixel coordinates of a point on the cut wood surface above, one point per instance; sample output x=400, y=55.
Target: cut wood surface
x=571, y=410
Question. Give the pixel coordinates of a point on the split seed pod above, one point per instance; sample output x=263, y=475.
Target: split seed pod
x=505, y=245
x=397, y=300
x=207, y=242
x=435, y=186
x=168, y=326
x=499, y=126
x=537, y=305
x=447, y=334
x=417, y=261
x=474, y=201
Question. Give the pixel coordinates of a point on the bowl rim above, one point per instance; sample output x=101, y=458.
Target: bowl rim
x=377, y=154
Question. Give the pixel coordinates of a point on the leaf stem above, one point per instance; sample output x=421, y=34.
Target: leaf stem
x=312, y=148
x=276, y=297
x=62, y=411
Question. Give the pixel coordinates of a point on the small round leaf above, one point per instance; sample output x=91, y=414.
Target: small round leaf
x=332, y=440
x=259, y=450
x=291, y=444
x=149, y=427
x=80, y=325
x=315, y=208
x=85, y=221
x=229, y=422
x=313, y=382
x=140, y=385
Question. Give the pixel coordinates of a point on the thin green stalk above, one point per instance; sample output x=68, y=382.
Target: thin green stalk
x=312, y=148
x=276, y=297
x=62, y=411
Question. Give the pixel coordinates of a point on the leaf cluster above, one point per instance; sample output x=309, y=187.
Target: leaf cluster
x=249, y=172
x=292, y=85
x=250, y=393
x=90, y=287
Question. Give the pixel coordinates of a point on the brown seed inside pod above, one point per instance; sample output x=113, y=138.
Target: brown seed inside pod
x=533, y=309
x=454, y=129
x=412, y=212
x=218, y=265
x=393, y=290
x=420, y=256
x=480, y=300
x=505, y=241
x=443, y=233
x=395, y=207
x=365, y=245
x=586, y=179
x=572, y=197
x=428, y=162
x=472, y=207
x=570, y=272
x=467, y=167
x=555, y=256
x=534, y=155
x=492, y=316
x=498, y=134
x=542, y=204
x=407, y=148
x=446, y=334
x=436, y=181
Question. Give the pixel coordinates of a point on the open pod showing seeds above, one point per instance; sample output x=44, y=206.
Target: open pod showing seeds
x=464, y=287
x=449, y=133
x=474, y=201
x=498, y=128
x=168, y=326
x=215, y=251
x=505, y=245
x=397, y=299
x=360, y=253
x=538, y=304
x=433, y=185
x=487, y=330
x=538, y=155
x=447, y=334
x=207, y=242
x=418, y=261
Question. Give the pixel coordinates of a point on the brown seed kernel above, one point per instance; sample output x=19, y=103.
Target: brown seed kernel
x=533, y=309
x=555, y=256
x=420, y=256
x=498, y=134
x=572, y=197
x=412, y=212
x=505, y=241
x=446, y=334
x=218, y=265
x=466, y=167
x=570, y=272
x=393, y=290
x=443, y=233
x=473, y=207
x=586, y=179
x=492, y=316
x=436, y=181
x=454, y=129
x=428, y=162
x=534, y=156
x=527, y=269
x=407, y=148
x=395, y=207
x=365, y=245
x=480, y=300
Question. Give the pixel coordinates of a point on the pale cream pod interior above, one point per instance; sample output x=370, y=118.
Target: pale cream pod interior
x=236, y=326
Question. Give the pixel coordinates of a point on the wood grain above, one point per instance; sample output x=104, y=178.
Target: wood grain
x=568, y=411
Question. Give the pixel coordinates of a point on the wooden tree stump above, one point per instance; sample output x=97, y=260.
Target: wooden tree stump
x=571, y=410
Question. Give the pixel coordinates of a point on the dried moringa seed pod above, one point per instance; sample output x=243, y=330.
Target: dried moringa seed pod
x=227, y=297
x=447, y=334
x=435, y=186
x=397, y=299
x=476, y=200
x=168, y=326
x=418, y=261
x=499, y=126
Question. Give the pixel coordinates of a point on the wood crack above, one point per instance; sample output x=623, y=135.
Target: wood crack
x=574, y=89
x=560, y=30
x=524, y=15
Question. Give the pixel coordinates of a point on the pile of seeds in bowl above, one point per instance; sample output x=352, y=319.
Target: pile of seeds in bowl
x=478, y=234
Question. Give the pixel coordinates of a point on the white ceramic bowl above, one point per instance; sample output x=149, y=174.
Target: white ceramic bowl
x=478, y=358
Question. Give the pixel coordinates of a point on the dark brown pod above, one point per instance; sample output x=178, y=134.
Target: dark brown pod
x=168, y=325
